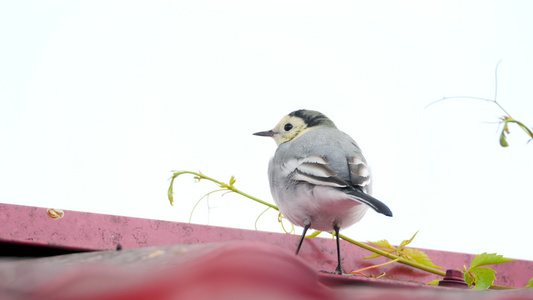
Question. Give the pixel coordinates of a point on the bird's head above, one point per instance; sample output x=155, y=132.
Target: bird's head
x=295, y=124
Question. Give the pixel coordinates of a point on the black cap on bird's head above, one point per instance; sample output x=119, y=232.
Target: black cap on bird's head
x=296, y=123
x=312, y=118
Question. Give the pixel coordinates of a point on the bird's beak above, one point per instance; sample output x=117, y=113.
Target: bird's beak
x=269, y=133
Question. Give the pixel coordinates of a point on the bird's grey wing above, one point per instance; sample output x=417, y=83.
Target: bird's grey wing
x=359, y=174
x=317, y=171
x=361, y=180
x=313, y=169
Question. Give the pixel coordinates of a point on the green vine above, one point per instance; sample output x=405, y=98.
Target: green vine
x=224, y=187
x=480, y=278
x=505, y=120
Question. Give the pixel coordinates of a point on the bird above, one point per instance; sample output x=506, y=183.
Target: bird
x=318, y=176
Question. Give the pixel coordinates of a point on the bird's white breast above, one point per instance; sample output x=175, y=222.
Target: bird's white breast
x=322, y=206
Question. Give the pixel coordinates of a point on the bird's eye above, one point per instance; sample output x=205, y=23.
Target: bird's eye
x=288, y=127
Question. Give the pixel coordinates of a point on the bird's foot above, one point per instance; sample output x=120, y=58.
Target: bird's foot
x=338, y=271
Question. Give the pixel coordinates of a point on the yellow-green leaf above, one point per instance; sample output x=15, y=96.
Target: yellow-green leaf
x=374, y=255
x=419, y=257
x=407, y=242
x=434, y=282
x=530, y=283
x=383, y=244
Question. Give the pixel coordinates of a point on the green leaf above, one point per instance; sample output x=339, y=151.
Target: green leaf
x=530, y=283
x=407, y=242
x=503, y=140
x=485, y=259
x=469, y=278
x=419, y=257
x=484, y=278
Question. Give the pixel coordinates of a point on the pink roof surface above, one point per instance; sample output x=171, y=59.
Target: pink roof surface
x=169, y=260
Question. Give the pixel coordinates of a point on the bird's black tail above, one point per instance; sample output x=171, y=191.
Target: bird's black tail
x=377, y=205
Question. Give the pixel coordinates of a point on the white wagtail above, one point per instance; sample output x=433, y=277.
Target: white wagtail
x=318, y=175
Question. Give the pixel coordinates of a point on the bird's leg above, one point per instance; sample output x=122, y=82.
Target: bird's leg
x=339, y=269
x=303, y=237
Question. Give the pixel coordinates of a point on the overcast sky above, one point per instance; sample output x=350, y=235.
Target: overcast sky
x=100, y=100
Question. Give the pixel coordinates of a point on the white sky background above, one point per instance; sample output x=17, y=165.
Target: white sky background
x=100, y=100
